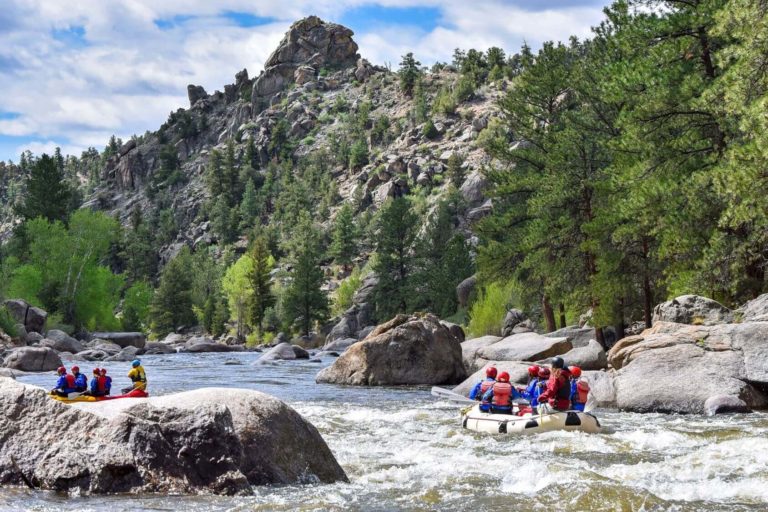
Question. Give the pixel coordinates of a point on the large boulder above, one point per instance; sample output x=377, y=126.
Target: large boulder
x=309, y=43
x=692, y=309
x=602, y=388
x=455, y=329
x=518, y=374
x=32, y=318
x=464, y=291
x=339, y=345
x=513, y=318
x=470, y=348
x=281, y=352
x=62, y=342
x=578, y=336
x=155, y=348
x=210, y=440
x=527, y=346
x=677, y=368
x=405, y=350
x=756, y=310
x=124, y=339
x=590, y=357
x=126, y=354
x=32, y=359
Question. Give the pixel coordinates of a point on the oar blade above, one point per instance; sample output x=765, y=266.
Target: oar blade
x=450, y=395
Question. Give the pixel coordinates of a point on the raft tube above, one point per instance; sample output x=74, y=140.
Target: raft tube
x=510, y=424
x=136, y=393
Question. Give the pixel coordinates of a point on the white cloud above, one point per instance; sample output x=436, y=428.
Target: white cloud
x=128, y=74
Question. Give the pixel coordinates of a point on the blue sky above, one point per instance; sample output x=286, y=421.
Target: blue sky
x=73, y=73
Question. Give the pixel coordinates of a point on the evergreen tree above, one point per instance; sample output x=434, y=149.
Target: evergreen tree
x=304, y=302
x=172, y=302
x=455, y=170
x=249, y=206
x=48, y=194
x=409, y=73
x=260, y=281
x=344, y=237
x=395, y=233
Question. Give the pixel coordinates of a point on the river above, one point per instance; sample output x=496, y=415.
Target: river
x=403, y=450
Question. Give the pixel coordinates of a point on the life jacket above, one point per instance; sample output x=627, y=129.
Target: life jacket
x=486, y=385
x=107, y=383
x=81, y=382
x=582, y=391
x=501, y=394
x=70, y=381
x=139, y=375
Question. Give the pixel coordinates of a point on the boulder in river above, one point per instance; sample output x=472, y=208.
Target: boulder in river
x=200, y=344
x=62, y=342
x=281, y=351
x=405, y=350
x=339, y=345
x=32, y=359
x=124, y=339
x=527, y=346
x=210, y=440
x=590, y=357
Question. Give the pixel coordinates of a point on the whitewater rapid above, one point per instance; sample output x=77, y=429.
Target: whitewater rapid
x=403, y=450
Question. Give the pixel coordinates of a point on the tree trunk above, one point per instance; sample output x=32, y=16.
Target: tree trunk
x=549, y=313
x=647, y=292
x=562, y=316
x=619, y=325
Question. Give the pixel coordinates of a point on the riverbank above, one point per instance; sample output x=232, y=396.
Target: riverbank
x=402, y=450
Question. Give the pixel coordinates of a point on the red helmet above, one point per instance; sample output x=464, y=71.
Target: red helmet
x=103, y=371
x=533, y=370
x=75, y=369
x=96, y=371
x=491, y=372
x=503, y=377
x=543, y=373
x=61, y=370
x=575, y=371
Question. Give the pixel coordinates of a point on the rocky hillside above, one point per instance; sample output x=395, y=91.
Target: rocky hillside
x=313, y=79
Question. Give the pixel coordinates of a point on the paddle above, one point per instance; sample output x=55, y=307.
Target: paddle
x=76, y=394
x=450, y=395
x=591, y=403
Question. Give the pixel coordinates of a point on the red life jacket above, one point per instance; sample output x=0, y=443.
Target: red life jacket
x=485, y=386
x=70, y=381
x=582, y=391
x=501, y=393
x=101, y=383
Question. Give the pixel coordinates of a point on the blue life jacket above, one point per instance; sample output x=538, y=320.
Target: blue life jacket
x=81, y=382
x=575, y=404
x=540, y=386
x=528, y=394
x=63, y=384
x=108, y=384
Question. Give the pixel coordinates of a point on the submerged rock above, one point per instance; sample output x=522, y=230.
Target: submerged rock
x=210, y=440
x=405, y=350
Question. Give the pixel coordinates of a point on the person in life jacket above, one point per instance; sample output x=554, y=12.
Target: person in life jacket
x=96, y=387
x=575, y=372
x=533, y=381
x=66, y=383
x=484, y=385
x=107, y=381
x=501, y=394
x=81, y=381
x=138, y=376
x=557, y=395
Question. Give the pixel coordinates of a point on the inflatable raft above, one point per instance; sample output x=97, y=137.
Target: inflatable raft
x=136, y=393
x=510, y=424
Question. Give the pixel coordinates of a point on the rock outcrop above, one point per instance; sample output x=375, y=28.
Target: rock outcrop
x=210, y=440
x=123, y=339
x=527, y=346
x=310, y=45
x=32, y=318
x=692, y=309
x=405, y=350
x=32, y=359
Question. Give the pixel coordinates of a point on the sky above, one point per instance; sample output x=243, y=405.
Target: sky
x=74, y=72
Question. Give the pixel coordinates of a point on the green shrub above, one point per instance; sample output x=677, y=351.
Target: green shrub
x=487, y=312
x=342, y=299
x=444, y=103
x=358, y=154
x=464, y=89
x=429, y=131
x=7, y=323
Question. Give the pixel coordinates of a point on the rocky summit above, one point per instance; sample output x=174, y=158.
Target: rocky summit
x=211, y=440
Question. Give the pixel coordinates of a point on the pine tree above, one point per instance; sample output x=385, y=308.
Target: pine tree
x=455, y=169
x=409, y=73
x=395, y=233
x=48, y=194
x=172, y=302
x=260, y=281
x=249, y=206
x=304, y=302
x=344, y=237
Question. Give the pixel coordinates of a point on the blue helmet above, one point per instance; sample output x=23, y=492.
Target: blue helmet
x=135, y=363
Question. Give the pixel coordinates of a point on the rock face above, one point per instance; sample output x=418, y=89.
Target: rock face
x=309, y=44
x=676, y=368
x=527, y=346
x=692, y=309
x=32, y=359
x=124, y=339
x=209, y=440
x=32, y=318
x=405, y=350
